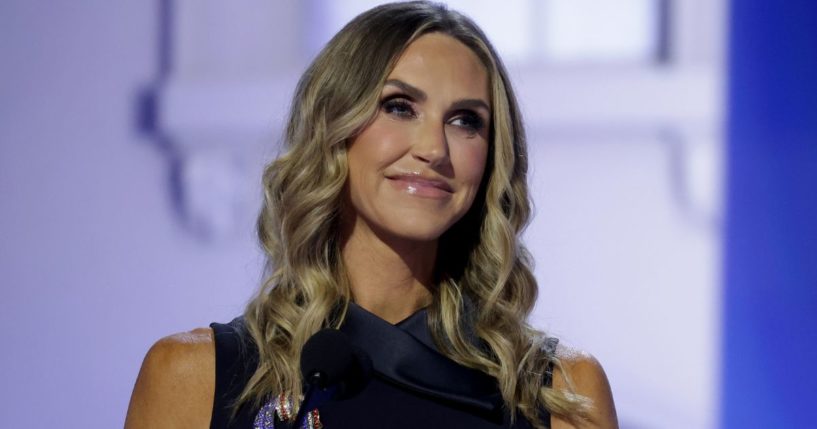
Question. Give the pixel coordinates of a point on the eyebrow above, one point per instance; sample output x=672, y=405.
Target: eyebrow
x=412, y=91
x=420, y=95
x=471, y=103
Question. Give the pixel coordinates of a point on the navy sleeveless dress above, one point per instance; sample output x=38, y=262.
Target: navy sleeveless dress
x=414, y=385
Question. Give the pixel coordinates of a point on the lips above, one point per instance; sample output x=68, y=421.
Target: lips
x=421, y=186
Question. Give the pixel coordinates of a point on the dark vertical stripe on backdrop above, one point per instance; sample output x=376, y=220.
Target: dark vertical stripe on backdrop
x=769, y=362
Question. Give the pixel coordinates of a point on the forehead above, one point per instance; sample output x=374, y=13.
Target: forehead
x=441, y=63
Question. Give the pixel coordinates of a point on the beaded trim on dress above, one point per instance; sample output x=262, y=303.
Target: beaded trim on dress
x=281, y=406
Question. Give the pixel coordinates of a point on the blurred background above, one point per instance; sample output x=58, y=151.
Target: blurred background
x=673, y=148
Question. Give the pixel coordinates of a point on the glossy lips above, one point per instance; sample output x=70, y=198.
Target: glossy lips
x=418, y=185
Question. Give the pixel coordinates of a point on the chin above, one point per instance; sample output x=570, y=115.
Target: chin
x=420, y=230
x=418, y=234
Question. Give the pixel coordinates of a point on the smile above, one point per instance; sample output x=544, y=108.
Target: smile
x=421, y=187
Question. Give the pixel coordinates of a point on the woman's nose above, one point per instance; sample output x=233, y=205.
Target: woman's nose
x=431, y=144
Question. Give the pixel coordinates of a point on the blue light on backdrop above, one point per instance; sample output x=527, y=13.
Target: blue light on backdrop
x=770, y=311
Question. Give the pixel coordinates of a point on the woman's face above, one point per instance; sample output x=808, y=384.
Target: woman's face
x=416, y=168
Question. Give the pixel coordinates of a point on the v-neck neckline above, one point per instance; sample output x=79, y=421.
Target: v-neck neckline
x=405, y=354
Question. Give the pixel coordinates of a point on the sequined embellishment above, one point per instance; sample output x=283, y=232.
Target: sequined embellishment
x=281, y=406
x=265, y=419
x=313, y=420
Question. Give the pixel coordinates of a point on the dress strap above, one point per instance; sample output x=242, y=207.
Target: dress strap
x=550, y=349
x=236, y=361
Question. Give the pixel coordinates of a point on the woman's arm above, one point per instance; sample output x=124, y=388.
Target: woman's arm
x=590, y=381
x=176, y=384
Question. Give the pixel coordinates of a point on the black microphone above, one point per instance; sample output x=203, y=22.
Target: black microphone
x=332, y=368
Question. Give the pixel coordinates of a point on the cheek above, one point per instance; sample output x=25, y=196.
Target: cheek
x=469, y=162
x=377, y=146
x=369, y=155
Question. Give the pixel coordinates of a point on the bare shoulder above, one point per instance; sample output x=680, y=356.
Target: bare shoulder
x=589, y=380
x=176, y=383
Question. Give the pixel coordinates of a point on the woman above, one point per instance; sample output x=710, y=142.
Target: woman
x=394, y=216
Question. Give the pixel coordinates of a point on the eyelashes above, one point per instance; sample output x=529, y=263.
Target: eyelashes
x=469, y=121
x=401, y=107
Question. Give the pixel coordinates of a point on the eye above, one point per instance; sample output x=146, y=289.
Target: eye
x=469, y=121
x=398, y=106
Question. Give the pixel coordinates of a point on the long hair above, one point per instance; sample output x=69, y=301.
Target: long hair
x=484, y=290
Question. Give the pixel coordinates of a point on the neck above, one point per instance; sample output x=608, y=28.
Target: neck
x=389, y=278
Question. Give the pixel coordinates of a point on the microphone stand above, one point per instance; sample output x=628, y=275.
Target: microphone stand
x=316, y=394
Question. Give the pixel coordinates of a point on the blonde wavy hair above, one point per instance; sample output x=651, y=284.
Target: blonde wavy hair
x=484, y=285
